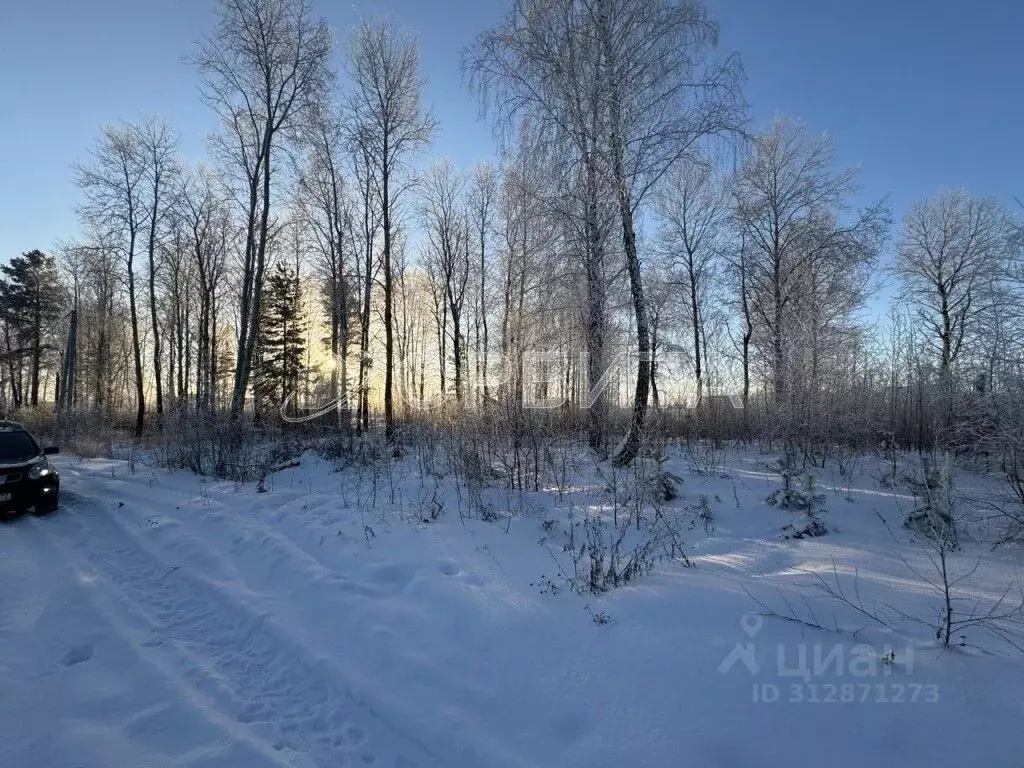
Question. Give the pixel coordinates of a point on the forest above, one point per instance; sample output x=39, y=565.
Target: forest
x=638, y=263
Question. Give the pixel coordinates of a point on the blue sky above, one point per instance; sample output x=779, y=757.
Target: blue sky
x=923, y=94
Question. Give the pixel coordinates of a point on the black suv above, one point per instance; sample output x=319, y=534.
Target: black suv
x=27, y=479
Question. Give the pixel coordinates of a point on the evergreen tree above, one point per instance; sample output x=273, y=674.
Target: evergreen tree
x=281, y=345
x=32, y=297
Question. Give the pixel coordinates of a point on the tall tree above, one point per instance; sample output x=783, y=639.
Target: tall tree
x=482, y=201
x=367, y=263
x=264, y=69
x=665, y=93
x=542, y=72
x=743, y=291
x=439, y=311
x=32, y=298
x=204, y=214
x=692, y=208
x=72, y=263
x=282, y=342
x=158, y=144
x=793, y=210
x=631, y=86
x=99, y=311
x=114, y=185
x=951, y=246
x=444, y=222
x=327, y=211
x=385, y=72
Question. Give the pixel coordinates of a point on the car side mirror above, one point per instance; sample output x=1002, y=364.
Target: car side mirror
x=50, y=450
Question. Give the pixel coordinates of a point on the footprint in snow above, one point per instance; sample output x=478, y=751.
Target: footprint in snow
x=77, y=655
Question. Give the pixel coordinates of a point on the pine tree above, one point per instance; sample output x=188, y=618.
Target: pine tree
x=281, y=345
x=32, y=297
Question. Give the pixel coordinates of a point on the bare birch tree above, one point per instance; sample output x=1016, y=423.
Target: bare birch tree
x=327, y=211
x=790, y=204
x=364, y=244
x=665, y=94
x=384, y=68
x=114, y=185
x=444, y=222
x=482, y=202
x=692, y=208
x=158, y=143
x=951, y=246
x=204, y=214
x=539, y=65
x=263, y=68
x=630, y=85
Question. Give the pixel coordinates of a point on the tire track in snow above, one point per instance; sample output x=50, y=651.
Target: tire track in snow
x=234, y=656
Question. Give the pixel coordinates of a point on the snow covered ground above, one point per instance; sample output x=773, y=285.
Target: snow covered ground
x=161, y=619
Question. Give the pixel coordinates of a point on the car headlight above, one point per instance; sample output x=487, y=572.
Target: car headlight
x=40, y=470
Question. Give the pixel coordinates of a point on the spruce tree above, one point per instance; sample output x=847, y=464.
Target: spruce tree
x=32, y=297
x=281, y=345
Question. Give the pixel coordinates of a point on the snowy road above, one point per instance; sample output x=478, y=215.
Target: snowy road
x=159, y=619
x=164, y=620
x=212, y=681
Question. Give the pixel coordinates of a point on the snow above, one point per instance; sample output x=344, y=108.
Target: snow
x=162, y=619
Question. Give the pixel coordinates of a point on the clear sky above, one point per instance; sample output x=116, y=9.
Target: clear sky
x=922, y=94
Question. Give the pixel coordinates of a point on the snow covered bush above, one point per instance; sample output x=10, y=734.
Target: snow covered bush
x=625, y=537
x=1013, y=511
x=789, y=495
x=609, y=556
x=82, y=432
x=225, y=448
x=799, y=493
x=664, y=484
x=813, y=504
x=704, y=515
x=933, y=516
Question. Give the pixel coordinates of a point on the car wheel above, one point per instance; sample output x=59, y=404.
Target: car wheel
x=47, y=505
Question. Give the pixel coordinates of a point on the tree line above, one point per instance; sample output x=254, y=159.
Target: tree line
x=637, y=252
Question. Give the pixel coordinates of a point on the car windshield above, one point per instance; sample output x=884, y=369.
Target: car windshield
x=15, y=446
